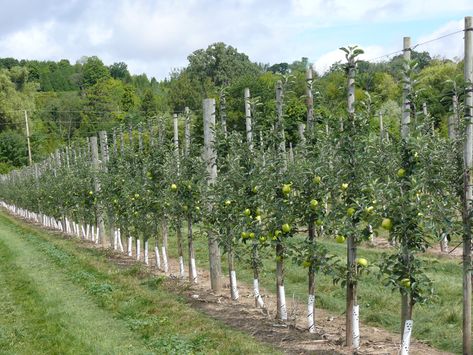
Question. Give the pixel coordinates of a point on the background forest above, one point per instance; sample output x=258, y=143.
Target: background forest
x=66, y=102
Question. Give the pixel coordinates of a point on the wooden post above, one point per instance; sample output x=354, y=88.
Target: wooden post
x=210, y=156
x=406, y=306
x=223, y=112
x=280, y=121
x=310, y=101
x=301, y=128
x=453, y=120
x=96, y=168
x=176, y=140
x=151, y=133
x=114, y=138
x=468, y=185
x=351, y=300
x=105, y=157
x=187, y=132
x=30, y=159
x=130, y=136
x=122, y=143
x=249, y=132
x=161, y=131
x=381, y=127
x=406, y=104
x=104, y=149
x=140, y=139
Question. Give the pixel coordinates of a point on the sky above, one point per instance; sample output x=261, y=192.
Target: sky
x=156, y=36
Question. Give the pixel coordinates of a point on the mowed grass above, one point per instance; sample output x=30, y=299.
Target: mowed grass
x=437, y=323
x=57, y=297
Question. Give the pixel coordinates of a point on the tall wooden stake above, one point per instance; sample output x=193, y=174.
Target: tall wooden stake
x=406, y=306
x=210, y=156
x=351, y=301
x=468, y=185
x=310, y=101
x=406, y=104
x=249, y=132
x=96, y=167
x=223, y=112
x=280, y=121
x=187, y=131
x=30, y=159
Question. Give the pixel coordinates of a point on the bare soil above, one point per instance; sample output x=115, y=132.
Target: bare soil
x=291, y=337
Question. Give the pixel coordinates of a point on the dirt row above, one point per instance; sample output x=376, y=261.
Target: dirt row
x=291, y=337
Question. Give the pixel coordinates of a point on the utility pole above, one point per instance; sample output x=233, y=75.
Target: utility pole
x=30, y=159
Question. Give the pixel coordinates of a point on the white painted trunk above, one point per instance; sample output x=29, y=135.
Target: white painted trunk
x=233, y=286
x=115, y=239
x=258, y=297
x=193, y=271
x=97, y=235
x=130, y=241
x=283, y=308
x=356, y=326
x=120, y=245
x=165, y=259
x=138, y=249
x=157, y=257
x=310, y=314
x=92, y=233
x=146, y=253
x=181, y=266
x=406, y=339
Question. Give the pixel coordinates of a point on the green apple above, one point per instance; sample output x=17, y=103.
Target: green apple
x=173, y=187
x=401, y=172
x=344, y=186
x=387, y=224
x=313, y=204
x=369, y=209
x=306, y=264
x=405, y=283
x=185, y=208
x=137, y=195
x=351, y=211
x=277, y=233
x=286, y=228
x=247, y=212
x=244, y=235
x=251, y=235
x=340, y=239
x=258, y=218
x=228, y=202
x=91, y=193
x=197, y=208
x=286, y=189
x=319, y=222
x=255, y=189
x=317, y=179
x=262, y=239
x=362, y=262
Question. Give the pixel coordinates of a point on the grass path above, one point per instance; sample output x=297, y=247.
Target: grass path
x=57, y=298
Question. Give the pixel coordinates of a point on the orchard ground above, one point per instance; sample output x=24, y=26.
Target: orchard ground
x=108, y=287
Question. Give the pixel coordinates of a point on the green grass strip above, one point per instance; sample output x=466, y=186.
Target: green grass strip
x=68, y=300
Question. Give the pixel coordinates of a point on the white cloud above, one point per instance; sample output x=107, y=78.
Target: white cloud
x=324, y=62
x=448, y=47
x=33, y=42
x=157, y=36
